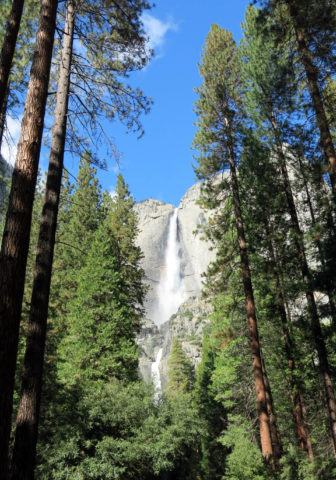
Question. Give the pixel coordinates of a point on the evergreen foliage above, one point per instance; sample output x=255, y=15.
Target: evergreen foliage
x=265, y=141
x=180, y=373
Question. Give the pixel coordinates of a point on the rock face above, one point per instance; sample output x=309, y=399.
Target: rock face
x=187, y=325
x=153, y=218
x=194, y=253
x=194, y=257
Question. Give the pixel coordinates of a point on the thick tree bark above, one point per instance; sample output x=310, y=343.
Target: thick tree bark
x=15, y=241
x=24, y=453
x=8, y=47
x=264, y=424
x=312, y=309
x=312, y=79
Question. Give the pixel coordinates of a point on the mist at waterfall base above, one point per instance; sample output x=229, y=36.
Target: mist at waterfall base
x=170, y=291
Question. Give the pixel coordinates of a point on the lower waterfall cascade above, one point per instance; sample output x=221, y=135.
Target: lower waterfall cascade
x=156, y=374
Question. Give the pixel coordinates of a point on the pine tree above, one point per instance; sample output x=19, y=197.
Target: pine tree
x=81, y=216
x=269, y=96
x=100, y=343
x=122, y=223
x=180, y=371
x=301, y=23
x=218, y=141
x=311, y=25
x=107, y=306
x=17, y=228
x=28, y=413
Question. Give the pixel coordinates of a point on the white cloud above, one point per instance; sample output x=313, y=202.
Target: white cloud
x=10, y=139
x=112, y=192
x=156, y=30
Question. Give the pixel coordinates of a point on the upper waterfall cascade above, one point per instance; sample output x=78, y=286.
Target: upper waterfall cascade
x=170, y=290
x=175, y=258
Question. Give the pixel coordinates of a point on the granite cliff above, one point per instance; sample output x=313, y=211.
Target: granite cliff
x=175, y=257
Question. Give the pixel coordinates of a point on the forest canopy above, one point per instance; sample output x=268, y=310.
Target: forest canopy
x=260, y=404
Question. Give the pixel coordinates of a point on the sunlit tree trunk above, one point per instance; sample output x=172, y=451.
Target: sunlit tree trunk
x=264, y=423
x=15, y=241
x=24, y=453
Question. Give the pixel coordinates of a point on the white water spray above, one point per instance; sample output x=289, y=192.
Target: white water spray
x=170, y=290
x=156, y=374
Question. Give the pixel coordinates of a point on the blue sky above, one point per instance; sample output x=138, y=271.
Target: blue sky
x=159, y=165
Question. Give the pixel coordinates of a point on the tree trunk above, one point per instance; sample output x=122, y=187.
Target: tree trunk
x=264, y=424
x=24, y=453
x=296, y=395
x=15, y=241
x=312, y=79
x=8, y=47
x=276, y=444
x=3, y=112
x=312, y=309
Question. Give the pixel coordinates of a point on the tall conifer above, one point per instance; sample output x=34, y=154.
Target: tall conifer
x=267, y=98
x=218, y=141
x=15, y=241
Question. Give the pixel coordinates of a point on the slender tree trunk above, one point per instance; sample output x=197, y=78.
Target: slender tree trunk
x=312, y=309
x=312, y=78
x=3, y=112
x=303, y=414
x=296, y=395
x=24, y=453
x=15, y=241
x=276, y=444
x=264, y=424
x=8, y=47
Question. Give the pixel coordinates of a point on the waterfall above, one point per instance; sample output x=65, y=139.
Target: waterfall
x=156, y=374
x=170, y=289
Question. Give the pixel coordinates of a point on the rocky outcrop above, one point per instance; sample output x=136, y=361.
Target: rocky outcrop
x=187, y=325
x=150, y=340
